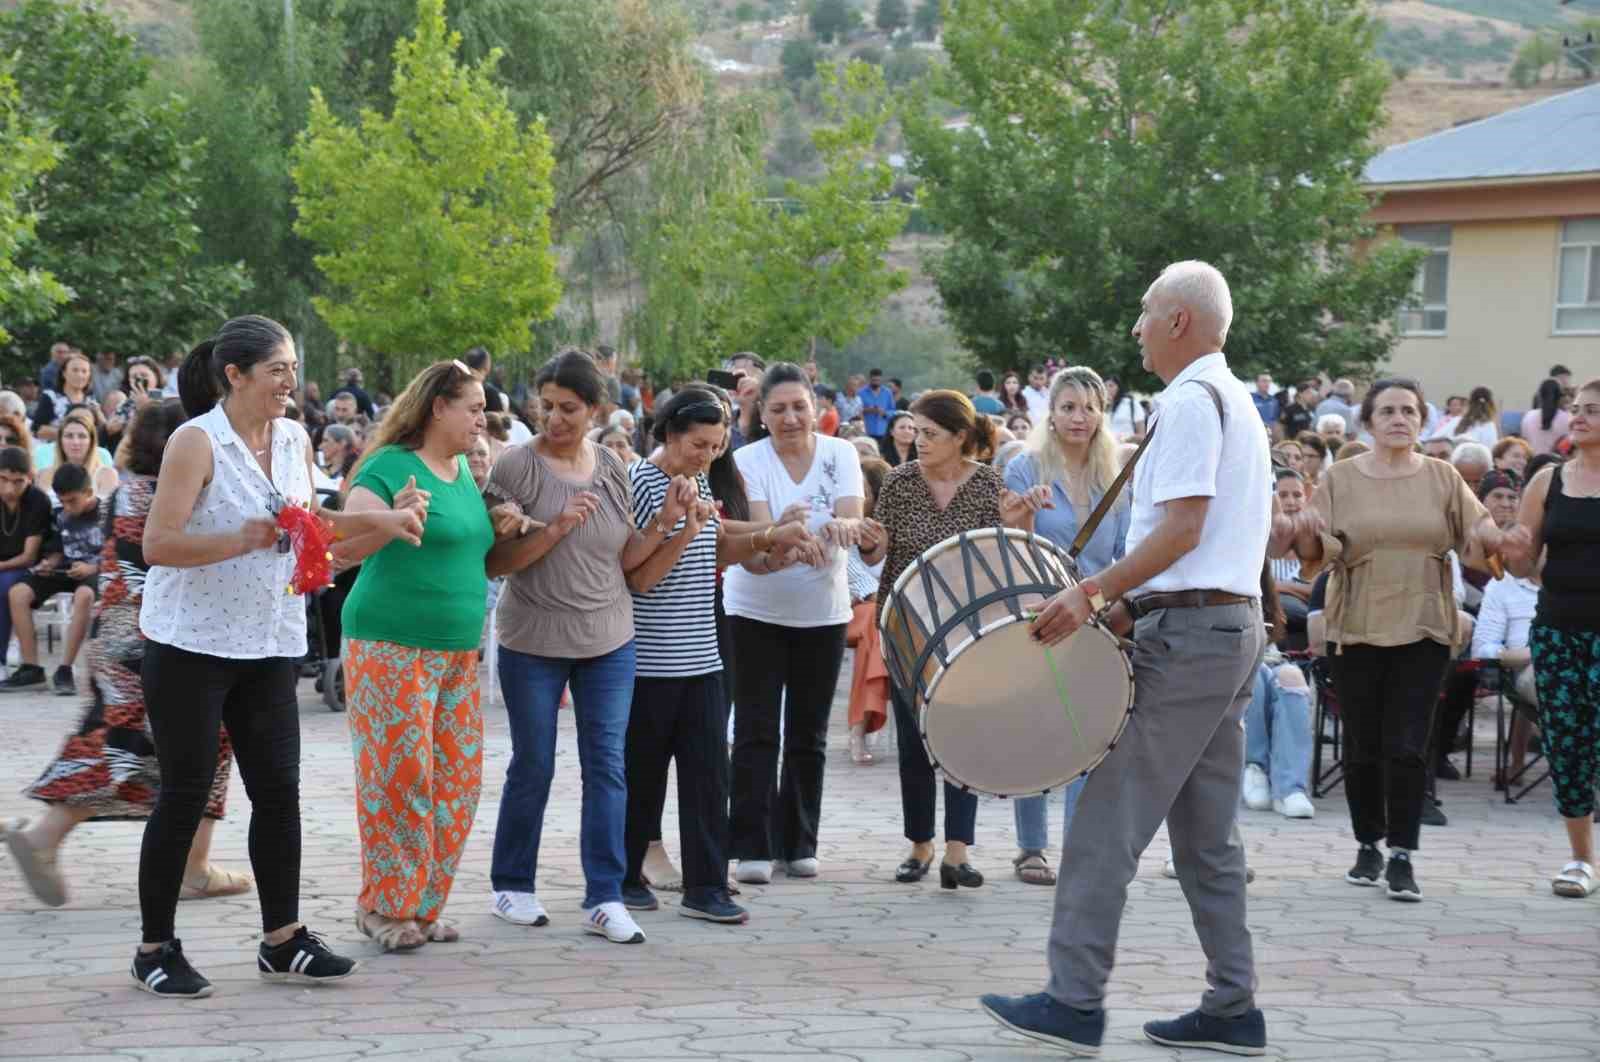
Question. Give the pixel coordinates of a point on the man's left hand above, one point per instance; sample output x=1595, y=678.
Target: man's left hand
x=1061, y=617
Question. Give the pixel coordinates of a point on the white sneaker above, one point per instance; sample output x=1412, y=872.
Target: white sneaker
x=1168, y=869
x=754, y=872
x=612, y=921
x=1295, y=806
x=518, y=908
x=1257, y=793
x=803, y=868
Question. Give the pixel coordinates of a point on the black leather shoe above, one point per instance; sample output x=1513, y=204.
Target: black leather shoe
x=913, y=869
x=964, y=876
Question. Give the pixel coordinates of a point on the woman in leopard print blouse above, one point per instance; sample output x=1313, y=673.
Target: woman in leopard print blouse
x=949, y=488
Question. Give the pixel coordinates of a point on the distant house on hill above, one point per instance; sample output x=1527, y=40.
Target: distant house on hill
x=1509, y=210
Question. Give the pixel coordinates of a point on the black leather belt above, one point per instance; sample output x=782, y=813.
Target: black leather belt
x=1145, y=604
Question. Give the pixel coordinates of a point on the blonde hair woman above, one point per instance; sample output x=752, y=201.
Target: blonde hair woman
x=78, y=444
x=1073, y=453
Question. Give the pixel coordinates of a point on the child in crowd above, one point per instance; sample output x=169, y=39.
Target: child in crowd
x=70, y=565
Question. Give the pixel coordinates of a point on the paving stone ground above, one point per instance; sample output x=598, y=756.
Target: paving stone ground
x=850, y=966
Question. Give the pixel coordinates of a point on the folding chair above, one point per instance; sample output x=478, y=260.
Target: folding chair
x=54, y=616
x=1506, y=694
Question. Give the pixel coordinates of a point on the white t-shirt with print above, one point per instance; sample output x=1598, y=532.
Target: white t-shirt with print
x=799, y=596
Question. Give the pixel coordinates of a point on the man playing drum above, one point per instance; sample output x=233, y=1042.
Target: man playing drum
x=1189, y=590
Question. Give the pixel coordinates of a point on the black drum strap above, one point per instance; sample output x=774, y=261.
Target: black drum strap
x=1086, y=532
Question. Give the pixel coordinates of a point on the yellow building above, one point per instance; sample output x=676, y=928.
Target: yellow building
x=1509, y=209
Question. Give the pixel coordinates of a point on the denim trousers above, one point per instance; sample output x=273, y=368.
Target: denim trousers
x=1032, y=817
x=602, y=692
x=1277, y=733
x=8, y=579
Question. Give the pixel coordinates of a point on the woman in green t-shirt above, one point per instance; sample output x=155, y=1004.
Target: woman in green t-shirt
x=412, y=627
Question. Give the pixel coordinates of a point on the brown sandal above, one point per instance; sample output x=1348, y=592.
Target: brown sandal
x=218, y=882
x=1032, y=868
x=439, y=932
x=392, y=934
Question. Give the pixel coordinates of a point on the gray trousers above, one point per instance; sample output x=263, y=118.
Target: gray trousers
x=1181, y=759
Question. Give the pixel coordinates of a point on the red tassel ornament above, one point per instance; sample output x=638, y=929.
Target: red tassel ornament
x=310, y=536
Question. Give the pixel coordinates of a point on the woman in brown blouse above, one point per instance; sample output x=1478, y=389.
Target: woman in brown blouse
x=949, y=488
x=1389, y=521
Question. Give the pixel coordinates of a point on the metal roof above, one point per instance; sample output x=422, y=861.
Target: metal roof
x=1556, y=136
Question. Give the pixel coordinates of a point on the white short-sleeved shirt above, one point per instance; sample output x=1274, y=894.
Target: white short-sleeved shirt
x=798, y=596
x=1195, y=455
x=1038, y=399
x=237, y=608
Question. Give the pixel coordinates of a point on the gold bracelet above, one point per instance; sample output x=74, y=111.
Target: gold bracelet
x=768, y=532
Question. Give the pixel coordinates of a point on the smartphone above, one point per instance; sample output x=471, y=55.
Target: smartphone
x=728, y=381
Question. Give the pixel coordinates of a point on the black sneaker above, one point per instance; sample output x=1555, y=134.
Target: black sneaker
x=639, y=898
x=63, y=682
x=1243, y=1035
x=1433, y=813
x=26, y=676
x=715, y=906
x=1369, y=864
x=1446, y=771
x=303, y=959
x=165, y=972
x=1402, y=883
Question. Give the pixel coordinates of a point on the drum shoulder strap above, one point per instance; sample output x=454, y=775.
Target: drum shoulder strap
x=1086, y=532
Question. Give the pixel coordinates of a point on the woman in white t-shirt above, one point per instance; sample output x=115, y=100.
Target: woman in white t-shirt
x=1480, y=423
x=789, y=610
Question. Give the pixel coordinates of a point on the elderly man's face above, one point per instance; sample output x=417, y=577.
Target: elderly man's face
x=1473, y=472
x=1157, y=329
x=343, y=409
x=1440, y=448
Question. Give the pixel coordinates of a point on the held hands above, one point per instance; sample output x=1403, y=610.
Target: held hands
x=1019, y=509
x=798, y=513
x=842, y=532
x=1061, y=617
x=680, y=497
x=874, y=536
x=698, y=515
x=583, y=505
x=790, y=536
x=258, y=533
x=1515, y=545
x=404, y=524
x=413, y=497
x=509, y=521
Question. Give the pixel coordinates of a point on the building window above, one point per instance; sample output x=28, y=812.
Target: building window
x=1578, y=277
x=1426, y=313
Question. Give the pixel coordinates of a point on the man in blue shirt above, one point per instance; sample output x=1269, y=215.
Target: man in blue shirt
x=877, y=402
x=1266, y=402
x=985, y=401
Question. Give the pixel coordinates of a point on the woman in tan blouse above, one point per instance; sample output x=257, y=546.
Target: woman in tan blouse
x=1389, y=521
x=949, y=488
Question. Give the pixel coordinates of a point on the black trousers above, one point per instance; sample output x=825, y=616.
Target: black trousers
x=787, y=672
x=684, y=719
x=1387, y=696
x=188, y=697
x=919, y=785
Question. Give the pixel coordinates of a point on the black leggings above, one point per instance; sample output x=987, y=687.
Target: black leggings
x=188, y=698
x=792, y=672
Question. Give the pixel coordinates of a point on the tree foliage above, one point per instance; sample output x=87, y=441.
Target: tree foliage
x=1109, y=140
x=746, y=273
x=115, y=217
x=893, y=16
x=928, y=19
x=831, y=20
x=434, y=220
x=27, y=294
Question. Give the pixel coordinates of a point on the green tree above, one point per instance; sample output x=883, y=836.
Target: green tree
x=433, y=220
x=928, y=19
x=1536, y=54
x=780, y=277
x=115, y=217
x=798, y=60
x=1107, y=141
x=831, y=20
x=893, y=16
x=27, y=153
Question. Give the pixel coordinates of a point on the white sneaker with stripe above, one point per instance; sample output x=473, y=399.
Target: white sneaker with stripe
x=518, y=908
x=612, y=921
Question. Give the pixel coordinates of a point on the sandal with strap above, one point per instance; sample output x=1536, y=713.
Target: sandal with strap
x=218, y=882
x=439, y=932
x=1576, y=880
x=38, y=866
x=392, y=934
x=1032, y=868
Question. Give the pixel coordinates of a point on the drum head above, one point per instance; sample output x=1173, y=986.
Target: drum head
x=998, y=722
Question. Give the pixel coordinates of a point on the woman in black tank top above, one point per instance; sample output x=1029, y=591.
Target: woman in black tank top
x=1561, y=518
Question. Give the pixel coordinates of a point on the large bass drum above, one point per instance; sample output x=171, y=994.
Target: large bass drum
x=998, y=712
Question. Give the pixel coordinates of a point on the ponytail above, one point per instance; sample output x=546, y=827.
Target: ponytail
x=198, y=388
x=983, y=437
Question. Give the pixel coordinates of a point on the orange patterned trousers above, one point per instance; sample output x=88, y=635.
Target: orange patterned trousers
x=417, y=733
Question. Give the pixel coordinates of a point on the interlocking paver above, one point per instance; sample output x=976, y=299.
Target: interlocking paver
x=849, y=967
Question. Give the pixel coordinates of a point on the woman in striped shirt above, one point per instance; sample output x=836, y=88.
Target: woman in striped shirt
x=679, y=708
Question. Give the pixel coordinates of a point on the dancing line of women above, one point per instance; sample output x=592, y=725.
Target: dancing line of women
x=636, y=587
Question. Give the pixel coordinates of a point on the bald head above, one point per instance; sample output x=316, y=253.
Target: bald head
x=1185, y=315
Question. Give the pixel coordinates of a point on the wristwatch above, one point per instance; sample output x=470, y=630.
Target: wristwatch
x=1091, y=590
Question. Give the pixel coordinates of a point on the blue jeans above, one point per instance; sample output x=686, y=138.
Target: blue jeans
x=1277, y=733
x=602, y=691
x=8, y=579
x=1032, y=817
